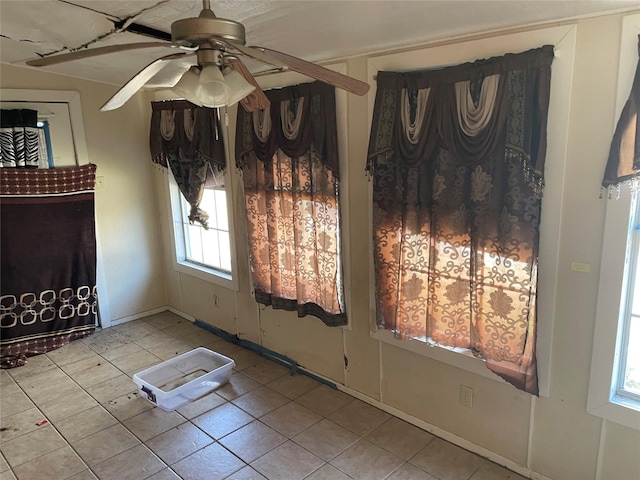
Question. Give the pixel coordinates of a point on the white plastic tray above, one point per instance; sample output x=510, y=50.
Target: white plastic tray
x=179, y=380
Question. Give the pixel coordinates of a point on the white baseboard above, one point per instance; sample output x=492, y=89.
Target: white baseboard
x=136, y=316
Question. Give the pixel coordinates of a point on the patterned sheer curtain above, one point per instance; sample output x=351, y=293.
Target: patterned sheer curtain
x=623, y=164
x=456, y=157
x=188, y=139
x=289, y=158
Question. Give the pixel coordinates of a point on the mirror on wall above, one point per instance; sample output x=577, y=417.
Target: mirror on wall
x=62, y=113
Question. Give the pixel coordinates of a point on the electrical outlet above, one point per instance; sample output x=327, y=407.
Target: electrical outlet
x=466, y=396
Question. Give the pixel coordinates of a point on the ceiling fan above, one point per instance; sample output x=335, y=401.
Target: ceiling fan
x=213, y=41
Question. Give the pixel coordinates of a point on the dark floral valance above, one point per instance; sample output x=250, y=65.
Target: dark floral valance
x=624, y=155
x=469, y=109
x=308, y=108
x=188, y=139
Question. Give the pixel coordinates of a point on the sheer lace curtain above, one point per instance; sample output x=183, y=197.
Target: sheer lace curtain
x=288, y=156
x=188, y=139
x=456, y=157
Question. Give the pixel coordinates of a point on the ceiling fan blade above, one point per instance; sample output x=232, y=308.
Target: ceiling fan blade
x=282, y=60
x=312, y=70
x=138, y=81
x=256, y=100
x=93, y=52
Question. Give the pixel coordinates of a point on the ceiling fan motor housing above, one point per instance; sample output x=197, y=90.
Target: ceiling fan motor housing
x=199, y=30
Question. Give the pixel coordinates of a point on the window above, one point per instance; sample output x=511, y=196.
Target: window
x=208, y=254
x=208, y=248
x=614, y=385
x=627, y=378
x=563, y=39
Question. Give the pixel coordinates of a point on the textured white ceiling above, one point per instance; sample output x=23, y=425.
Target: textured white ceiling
x=315, y=30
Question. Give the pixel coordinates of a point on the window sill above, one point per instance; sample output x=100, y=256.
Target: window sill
x=460, y=360
x=618, y=409
x=207, y=274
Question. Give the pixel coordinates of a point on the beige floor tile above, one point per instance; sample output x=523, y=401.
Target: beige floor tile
x=64, y=407
x=252, y=441
x=446, y=461
x=166, y=474
x=154, y=339
x=83, y=475
x=170, y=349
x=222, y=420
x=200, y=406
x=291, y=419
x=246, y=473
x=212, y=342
x=35, y=365
x=239, y=384
x=292, y=386
x=85, y=423
x=287, y=462
x=8, y=388
x=48, y=392
x=112, y=388
x=400, y=438
x=136, y=330
x=133, y=464
x=49, y=375
x=266, y=372
x=211, y=463
x=409, y=472
x=182, y=328
x=136, y=362
x=245, y=358
x=128, y=405
x=178, y=443
x=152, y=423
x=324, y=400
x=99, y=372
x=260, y=401
x=163, y=320
x=104, y=444
x=327, y=472
x=7, y=475
x=56, y=465
x=16, y=425
x=3, y=463
x=84, y=364
x=359, y=417
x=326, y=439
x=116, y=347
x=491, y=471
x=70, y=353
x=16, y=403
x=31, y=445
x=366, y=461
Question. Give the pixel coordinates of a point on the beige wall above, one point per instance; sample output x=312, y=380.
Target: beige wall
x=126, y=213
x=553, y=436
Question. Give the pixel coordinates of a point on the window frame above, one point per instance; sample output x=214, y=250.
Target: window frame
x=563, y=38
x=603, y=400
x=180, y=262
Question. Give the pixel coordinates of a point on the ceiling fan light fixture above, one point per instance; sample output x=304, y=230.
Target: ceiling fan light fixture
x=238, y=86
x=213, y=91
x=188, y=85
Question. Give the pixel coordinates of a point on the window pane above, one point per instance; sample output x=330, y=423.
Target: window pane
x=225, y=251
x=211, y=255
x=208, y=204
x=632, y=372
x=221, y=209
x=194, y=243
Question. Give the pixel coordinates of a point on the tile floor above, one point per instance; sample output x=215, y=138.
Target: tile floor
x=264, y=424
